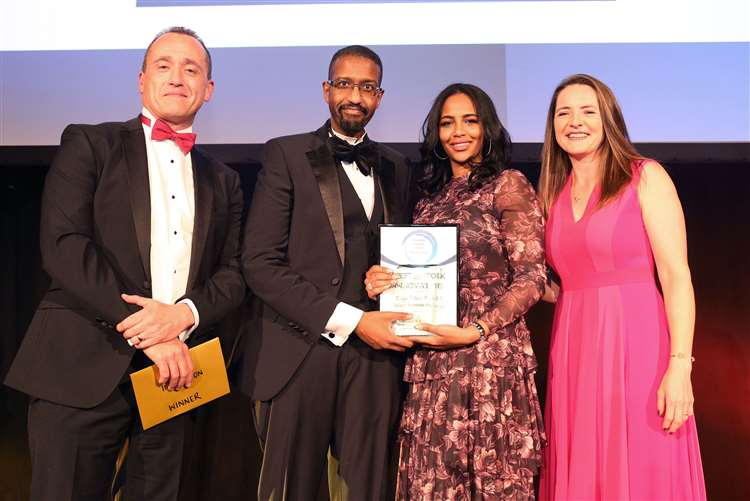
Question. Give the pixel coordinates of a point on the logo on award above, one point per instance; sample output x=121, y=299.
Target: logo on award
x=419, y=247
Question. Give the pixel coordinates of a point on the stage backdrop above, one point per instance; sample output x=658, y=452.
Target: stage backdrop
x=224, y=459
x=680, y=68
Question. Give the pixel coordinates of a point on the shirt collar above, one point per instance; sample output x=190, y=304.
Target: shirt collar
x=150, y=116
x=351, y=140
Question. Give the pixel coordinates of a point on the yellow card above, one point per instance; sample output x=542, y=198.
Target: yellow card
x=156, y=403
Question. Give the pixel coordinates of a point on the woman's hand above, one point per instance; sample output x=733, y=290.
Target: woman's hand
x=378, y=279
x=551, y=292
x=674, y=398
x=446, y=336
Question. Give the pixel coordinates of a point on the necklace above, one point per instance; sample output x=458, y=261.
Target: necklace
x=585, y=188
x=578, y=198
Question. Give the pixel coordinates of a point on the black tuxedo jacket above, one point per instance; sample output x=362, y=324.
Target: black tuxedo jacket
x=294, y=249
x=95, y=244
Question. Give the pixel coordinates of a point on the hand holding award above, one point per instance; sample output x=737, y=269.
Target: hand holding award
x=424, y=261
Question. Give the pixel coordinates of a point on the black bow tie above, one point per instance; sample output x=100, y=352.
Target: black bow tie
x=364, y=155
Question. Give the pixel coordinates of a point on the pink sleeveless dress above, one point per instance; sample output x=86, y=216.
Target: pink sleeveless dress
x=610, y=349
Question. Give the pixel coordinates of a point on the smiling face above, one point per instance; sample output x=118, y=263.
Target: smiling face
x=578, y=121
x=351, y=109
x=174, y=83
x=461, y=133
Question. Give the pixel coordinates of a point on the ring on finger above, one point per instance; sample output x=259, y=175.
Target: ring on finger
x=369, y=286
x=138, y=338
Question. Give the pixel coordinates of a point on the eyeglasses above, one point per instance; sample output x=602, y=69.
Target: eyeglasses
x=367, y=88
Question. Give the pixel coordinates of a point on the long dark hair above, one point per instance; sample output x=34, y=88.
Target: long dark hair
x=435, y=162
x=617, y=153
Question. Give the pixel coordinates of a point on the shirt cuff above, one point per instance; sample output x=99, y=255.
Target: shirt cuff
x=342, y=323
x=186, y=333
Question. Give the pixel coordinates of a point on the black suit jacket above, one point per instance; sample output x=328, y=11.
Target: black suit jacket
x=95, y=244
x=294, y=249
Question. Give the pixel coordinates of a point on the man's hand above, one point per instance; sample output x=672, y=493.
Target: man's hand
x=379, y=279
x=374, y=328
x=155, y=323
x=172, y=358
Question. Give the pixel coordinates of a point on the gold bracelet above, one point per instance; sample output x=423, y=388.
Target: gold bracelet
x=682, y=356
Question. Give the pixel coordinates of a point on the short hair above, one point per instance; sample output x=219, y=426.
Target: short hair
x=180, y=30
x=356, y=51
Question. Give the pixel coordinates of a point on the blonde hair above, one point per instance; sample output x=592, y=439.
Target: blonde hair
x=617, y=153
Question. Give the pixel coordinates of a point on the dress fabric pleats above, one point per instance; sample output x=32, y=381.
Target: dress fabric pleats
x=610, y=348
x=471, y=428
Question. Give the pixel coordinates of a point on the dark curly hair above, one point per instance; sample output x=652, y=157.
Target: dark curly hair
x=436, y=166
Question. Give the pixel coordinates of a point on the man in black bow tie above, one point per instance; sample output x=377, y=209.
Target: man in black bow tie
x=140, y=236
x=325, y=367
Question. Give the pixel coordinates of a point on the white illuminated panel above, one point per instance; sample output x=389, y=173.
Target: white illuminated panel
x=120, y=24
x=680, y=69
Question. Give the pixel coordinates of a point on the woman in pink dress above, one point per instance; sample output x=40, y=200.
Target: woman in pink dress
x=619, y=411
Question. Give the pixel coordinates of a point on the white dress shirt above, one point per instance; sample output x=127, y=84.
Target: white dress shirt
x=170, y=177
x=345, y=317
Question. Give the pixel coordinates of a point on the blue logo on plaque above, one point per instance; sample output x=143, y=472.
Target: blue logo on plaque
x=419, y=247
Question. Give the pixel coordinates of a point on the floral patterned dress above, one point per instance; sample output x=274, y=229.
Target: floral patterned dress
x=471, y=428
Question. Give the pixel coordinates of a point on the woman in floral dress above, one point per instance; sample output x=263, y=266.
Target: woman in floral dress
x=471, y=428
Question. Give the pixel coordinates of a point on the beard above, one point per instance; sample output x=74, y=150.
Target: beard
x=352, y=126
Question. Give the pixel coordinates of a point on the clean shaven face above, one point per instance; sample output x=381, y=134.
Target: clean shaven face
x=174, y=83
x=578, y=121
x=461, y=133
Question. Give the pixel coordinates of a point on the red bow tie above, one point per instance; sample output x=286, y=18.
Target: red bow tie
x=161, y=131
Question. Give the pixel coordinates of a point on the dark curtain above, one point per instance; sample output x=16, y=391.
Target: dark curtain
x=22, y=284
x=224, y=458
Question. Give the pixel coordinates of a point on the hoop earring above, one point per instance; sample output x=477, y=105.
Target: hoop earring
x=434, y=152
x=489, y=150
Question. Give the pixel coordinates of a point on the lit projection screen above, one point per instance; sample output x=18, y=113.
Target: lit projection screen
x=680, y=68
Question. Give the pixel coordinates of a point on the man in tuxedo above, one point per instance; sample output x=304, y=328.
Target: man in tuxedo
x=324, y=367
x=140, y=236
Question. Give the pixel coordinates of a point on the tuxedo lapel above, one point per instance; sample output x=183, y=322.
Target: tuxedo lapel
x=326, y=173
x=385, y=180
x=134, y=145
x=204, y=201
